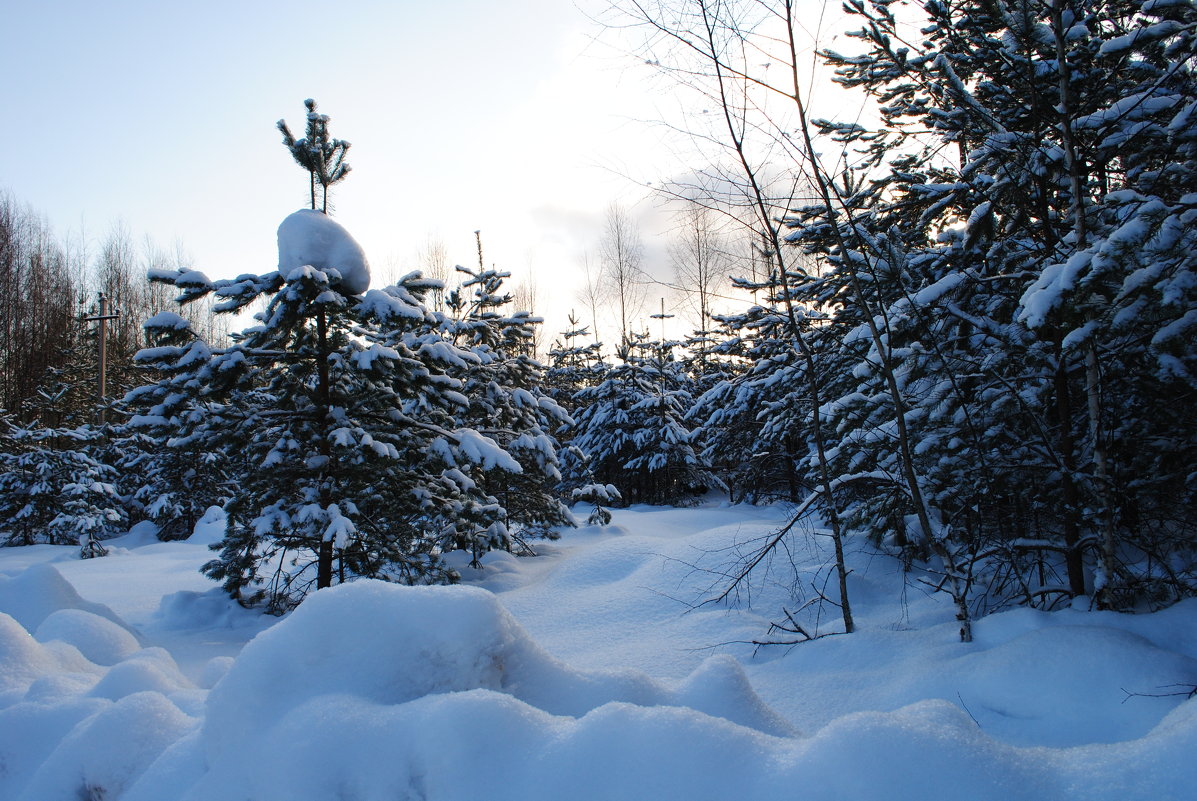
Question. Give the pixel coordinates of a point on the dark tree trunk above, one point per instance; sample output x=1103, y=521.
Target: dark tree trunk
x=324, y=564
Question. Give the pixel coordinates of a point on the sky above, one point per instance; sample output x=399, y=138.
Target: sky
x=522, y=120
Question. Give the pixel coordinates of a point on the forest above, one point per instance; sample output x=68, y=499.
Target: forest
x=908, y=512
x=969, y=341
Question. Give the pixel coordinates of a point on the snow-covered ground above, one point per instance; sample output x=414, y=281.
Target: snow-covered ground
x=587, y=672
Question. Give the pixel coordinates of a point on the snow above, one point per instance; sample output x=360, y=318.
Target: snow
x=98, y=639
x=592, y=671
x=310, y=238
x=1048, y=291
x=931, y=294
x=482, y=450
x=366, y=357
x=38, y=592
x=167, y=319
x=388, y=307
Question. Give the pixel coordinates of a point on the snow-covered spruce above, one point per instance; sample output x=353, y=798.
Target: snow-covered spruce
x=54, y=489
x=507, y=404
x=1009, y=388
x=337, y=420
x=631, y=428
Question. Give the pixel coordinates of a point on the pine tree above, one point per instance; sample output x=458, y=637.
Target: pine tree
x=322, y=157
x=358, y=439
x=1030, y=294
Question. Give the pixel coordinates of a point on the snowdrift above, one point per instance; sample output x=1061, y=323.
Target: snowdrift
x=573, y=675
x=372, y=690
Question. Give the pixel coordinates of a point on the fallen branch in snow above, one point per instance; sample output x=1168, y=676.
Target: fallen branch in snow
x=751, y=563
x=792, y=626
x=1189, y=693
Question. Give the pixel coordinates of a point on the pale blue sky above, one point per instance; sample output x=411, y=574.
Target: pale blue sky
x=463, y=115
x=473, y=114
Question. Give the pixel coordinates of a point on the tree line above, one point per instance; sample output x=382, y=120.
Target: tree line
x=49, y=285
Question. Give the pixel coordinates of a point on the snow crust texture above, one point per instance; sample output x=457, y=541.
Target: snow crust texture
x=371, y=691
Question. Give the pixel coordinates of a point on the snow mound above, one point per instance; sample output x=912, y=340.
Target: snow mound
x=1082, y=678
x=99, y=640
x=186, y=610
x=461, y=746
x=142, y=533
x=373, y=674
x=387, y=645
x=150, y=670
x=310, y=238
x=72, y=728
x=23, y=660
x=31, y=731
x=210, y=528
x=37, y=592
x=373, y=691
x=105, y=753
x=214, y=670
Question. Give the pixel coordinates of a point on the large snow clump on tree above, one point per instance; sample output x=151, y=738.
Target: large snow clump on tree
x=310, y=238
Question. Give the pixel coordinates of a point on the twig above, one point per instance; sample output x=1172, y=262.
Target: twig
x=1189, y=693
x=964, y=706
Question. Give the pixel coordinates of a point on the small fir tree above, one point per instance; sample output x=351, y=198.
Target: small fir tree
x=508, y=403
x=633, y=432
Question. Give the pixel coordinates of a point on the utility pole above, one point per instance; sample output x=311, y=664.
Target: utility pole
x=102, y=318
x=662, y=317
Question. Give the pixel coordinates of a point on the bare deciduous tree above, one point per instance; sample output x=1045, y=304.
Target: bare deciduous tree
x=700, y=259
x=46, y=285
x=38, y=298
x=723, y=50
x=524, y=299
x=622, y=252
x=433, y=261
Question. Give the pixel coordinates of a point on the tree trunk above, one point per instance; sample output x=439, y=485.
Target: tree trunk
x=324, y=563
x=1072, y=530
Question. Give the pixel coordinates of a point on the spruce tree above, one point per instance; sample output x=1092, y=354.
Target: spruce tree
x=572, y=368
x=174, y=478
x=632, y=428
x=54, y=490
x=508, y=403
x=752, y=424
